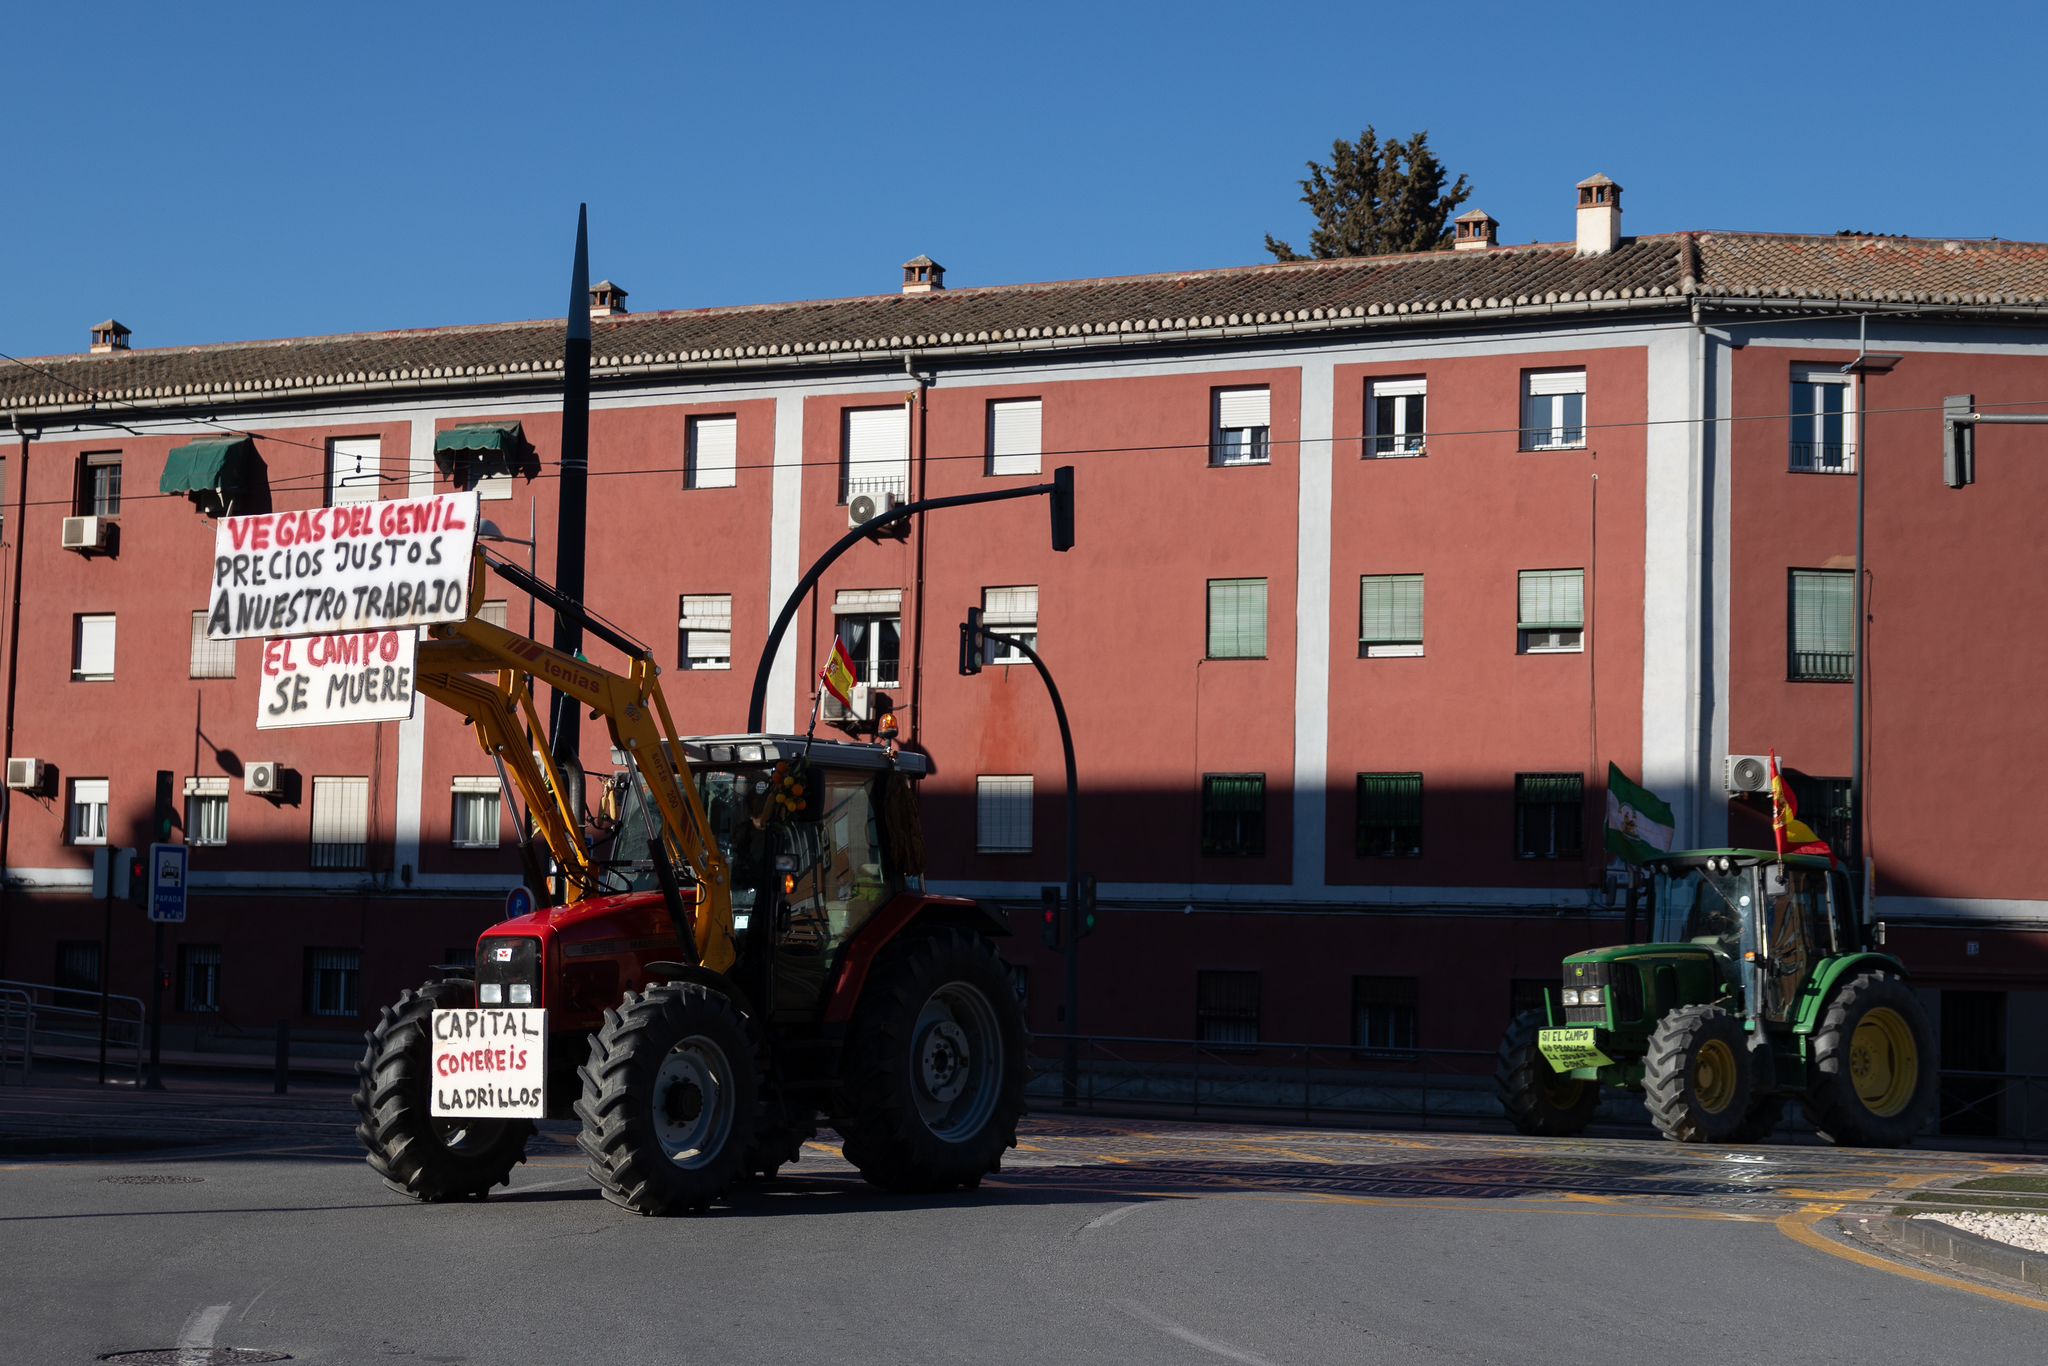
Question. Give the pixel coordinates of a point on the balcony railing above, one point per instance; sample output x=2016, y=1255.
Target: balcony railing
x=1397, y=445
x=1831, y=457
x=898, y=484
x=1823, y=666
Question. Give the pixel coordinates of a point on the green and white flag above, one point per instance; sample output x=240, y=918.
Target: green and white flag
x=1638, y=823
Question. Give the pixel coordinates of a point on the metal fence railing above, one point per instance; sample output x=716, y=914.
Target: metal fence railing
x=1994, y=1105
x=1824, y=457
x=1827, y=666
x=65, y=1022
x=17, y=1031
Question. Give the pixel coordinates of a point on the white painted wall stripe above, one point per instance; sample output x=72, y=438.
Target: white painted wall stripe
x=785, y=552
x=1312, y=624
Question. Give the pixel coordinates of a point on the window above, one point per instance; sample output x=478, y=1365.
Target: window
x=1002, y=815
x=476, y=813
x=1227, y=1007
x=1014, y=612
x=333, y=980
x=713, y=457
x=1826, y=805
x=1393, y=415
x=1383, y=1012
x=78, y=971
x=704, y=639
x=1015, y=439
x=199, y=977
x=88, y=823
x=1823, y=622
x=1823, y=426
x=354, y=464
x=875, y=452
x=1551, y=611
x=1390, y=616
x=92, y=649
x=210, y=658
x=1549, y=811
x=1237, y=618
x=206, y=811
x=98, y=492
x=1233, y=815
x=1553, y=410
x=1390, y=815
x=493, y=611
x=1241, y=422
x=870, y=621
x=341, y=822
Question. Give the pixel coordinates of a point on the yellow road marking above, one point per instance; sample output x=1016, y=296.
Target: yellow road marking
x=1800, y=1229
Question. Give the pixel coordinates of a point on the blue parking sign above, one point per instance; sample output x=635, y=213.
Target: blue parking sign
x=168, y=864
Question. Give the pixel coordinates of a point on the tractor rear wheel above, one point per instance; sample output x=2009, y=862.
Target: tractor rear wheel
x=1872, y=1080
x=418, y=1155
x=934, y=1080
x=1537, y=1098
x=1697, y=1076
x=668, y=1099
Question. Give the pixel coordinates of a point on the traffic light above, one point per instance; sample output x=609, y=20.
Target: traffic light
x=1958, y=440
x=138, y=877
x=166, y=808
x=972, y=644
x=1085, y=922
x=1049, y=900
x=1063, y=508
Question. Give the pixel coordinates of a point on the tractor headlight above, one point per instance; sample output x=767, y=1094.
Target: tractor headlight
x=1571, y=996
x=522, y=993
x=1591, y=996
x=489, y=994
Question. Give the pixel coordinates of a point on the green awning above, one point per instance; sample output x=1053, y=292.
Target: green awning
x=207, y=466
x=499, y=438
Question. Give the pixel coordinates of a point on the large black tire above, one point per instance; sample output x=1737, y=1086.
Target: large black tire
x=668, y=1104
x=1697, y=1076
x=1537, y=1099
x=934, y=1079
x=417, y=1155
x=1762, y=1119
x=1872, y=1080
x=778, y=1141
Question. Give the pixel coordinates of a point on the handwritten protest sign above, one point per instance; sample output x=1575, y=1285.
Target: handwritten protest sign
x=329, y=680
x=328, y=571
x=489, y=1064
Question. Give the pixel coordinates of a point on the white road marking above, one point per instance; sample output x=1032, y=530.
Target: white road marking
x=1105, y=1220
x=198, y=1333
x=1189, y=1336
x=252, y=1303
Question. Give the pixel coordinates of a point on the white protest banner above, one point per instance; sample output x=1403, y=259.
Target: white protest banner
x=489, y=1064
x=331, y=680
x=358, y=567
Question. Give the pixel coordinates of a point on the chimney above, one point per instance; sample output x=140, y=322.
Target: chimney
x=1599, y=216
x=1476, y=231
x=922, y=275
x=109, y=336
x=606, y=299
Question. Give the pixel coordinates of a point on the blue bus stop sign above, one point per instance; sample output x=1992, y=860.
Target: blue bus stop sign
x=519, y=901
x=168, y=865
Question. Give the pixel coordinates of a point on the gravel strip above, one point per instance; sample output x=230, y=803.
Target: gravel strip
x=2028, y=1231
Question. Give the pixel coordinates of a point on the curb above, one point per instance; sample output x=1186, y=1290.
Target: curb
x=1982, y=1254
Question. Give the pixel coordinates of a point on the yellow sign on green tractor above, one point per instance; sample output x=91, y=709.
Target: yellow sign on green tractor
x=1569, y=1049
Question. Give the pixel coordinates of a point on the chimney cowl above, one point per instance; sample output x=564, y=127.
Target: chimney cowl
x=606, y=299
x=1599, y=216
x=922, y=275
x=1475, y=231
x=109, y=336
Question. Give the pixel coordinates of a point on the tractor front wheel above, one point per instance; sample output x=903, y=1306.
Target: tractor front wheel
x=668, y=1099
x=418, y=1155
x=1872, y=1079
x=1697, y=1076
x=1537, y=1098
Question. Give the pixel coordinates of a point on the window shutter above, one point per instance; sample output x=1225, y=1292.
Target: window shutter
x=714, y=452
x=341, y=821
x=878, y=446
x=1823, y=623
x=1391, y=609
x=867, y=601
x=353, y=466
x=1399, y=388
x=1010, y=606
x=707, y=617
x=1237, y=408
x=210, y=658
x=1549, y=789
x=1237, y=792
x=1003, y=814
x=1015, y=439
x=1552, y=600
x=1390, y=799
x=1237, y=618
x=1557, y=382
x=96, y=647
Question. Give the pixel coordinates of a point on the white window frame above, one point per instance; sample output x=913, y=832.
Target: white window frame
x=349, y=993
x=1544, y=424
x=1807, y=429
x=874, y=451
x=210, y=658
x=467, y=790
x=873, y=606
x=1241, y=426
x=213, y=792
x=705, y=626
x=341, y=823
x=712, y=452
x=85, y=819
x=1002, y=813
x=355, y=468
x=1016, y=435
x=1549, y=639
x=90, y=499
x=93, y=641
x=1388, y=647
x=1405, y=437
x=1014, y=611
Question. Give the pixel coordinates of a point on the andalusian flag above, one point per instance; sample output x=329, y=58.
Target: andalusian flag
x=1795, y=836
x=837, y=675
x=1638, y=823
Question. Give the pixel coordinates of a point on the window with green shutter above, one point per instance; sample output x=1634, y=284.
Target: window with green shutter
x=1549, y=815
x=1237, y=618
x=1390, y=815
x=1389, y=615
x=1823, y=621
x=1551, y=611
x=1233, y=815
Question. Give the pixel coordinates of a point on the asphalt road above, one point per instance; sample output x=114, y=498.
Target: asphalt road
x=1102, y=1241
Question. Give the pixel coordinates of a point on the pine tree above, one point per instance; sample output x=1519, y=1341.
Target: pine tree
x=1375, y=198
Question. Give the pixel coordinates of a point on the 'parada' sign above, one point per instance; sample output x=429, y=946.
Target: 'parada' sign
x=329, y=571
x=329, y=680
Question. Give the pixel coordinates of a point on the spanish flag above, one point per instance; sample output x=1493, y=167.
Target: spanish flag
x=837, y=675
x=1795, y=836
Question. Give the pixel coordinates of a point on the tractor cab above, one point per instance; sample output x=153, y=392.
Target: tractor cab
x=1764, y=920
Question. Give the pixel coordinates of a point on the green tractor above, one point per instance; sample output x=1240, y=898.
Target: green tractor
x=1760, y=983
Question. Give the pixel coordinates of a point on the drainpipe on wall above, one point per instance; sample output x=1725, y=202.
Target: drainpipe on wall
x=918, y=413
x=25, y=435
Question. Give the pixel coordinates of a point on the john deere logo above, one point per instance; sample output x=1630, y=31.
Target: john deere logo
x=1579, y=971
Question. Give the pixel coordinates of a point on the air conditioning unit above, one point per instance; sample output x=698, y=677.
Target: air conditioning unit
x=25, y=775
x=835, y=714
x=86, y=533
x=1749, y=773
x=260, y=779
x=863, y=508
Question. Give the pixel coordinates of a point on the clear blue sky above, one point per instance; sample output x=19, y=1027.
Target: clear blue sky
x=213, y=172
